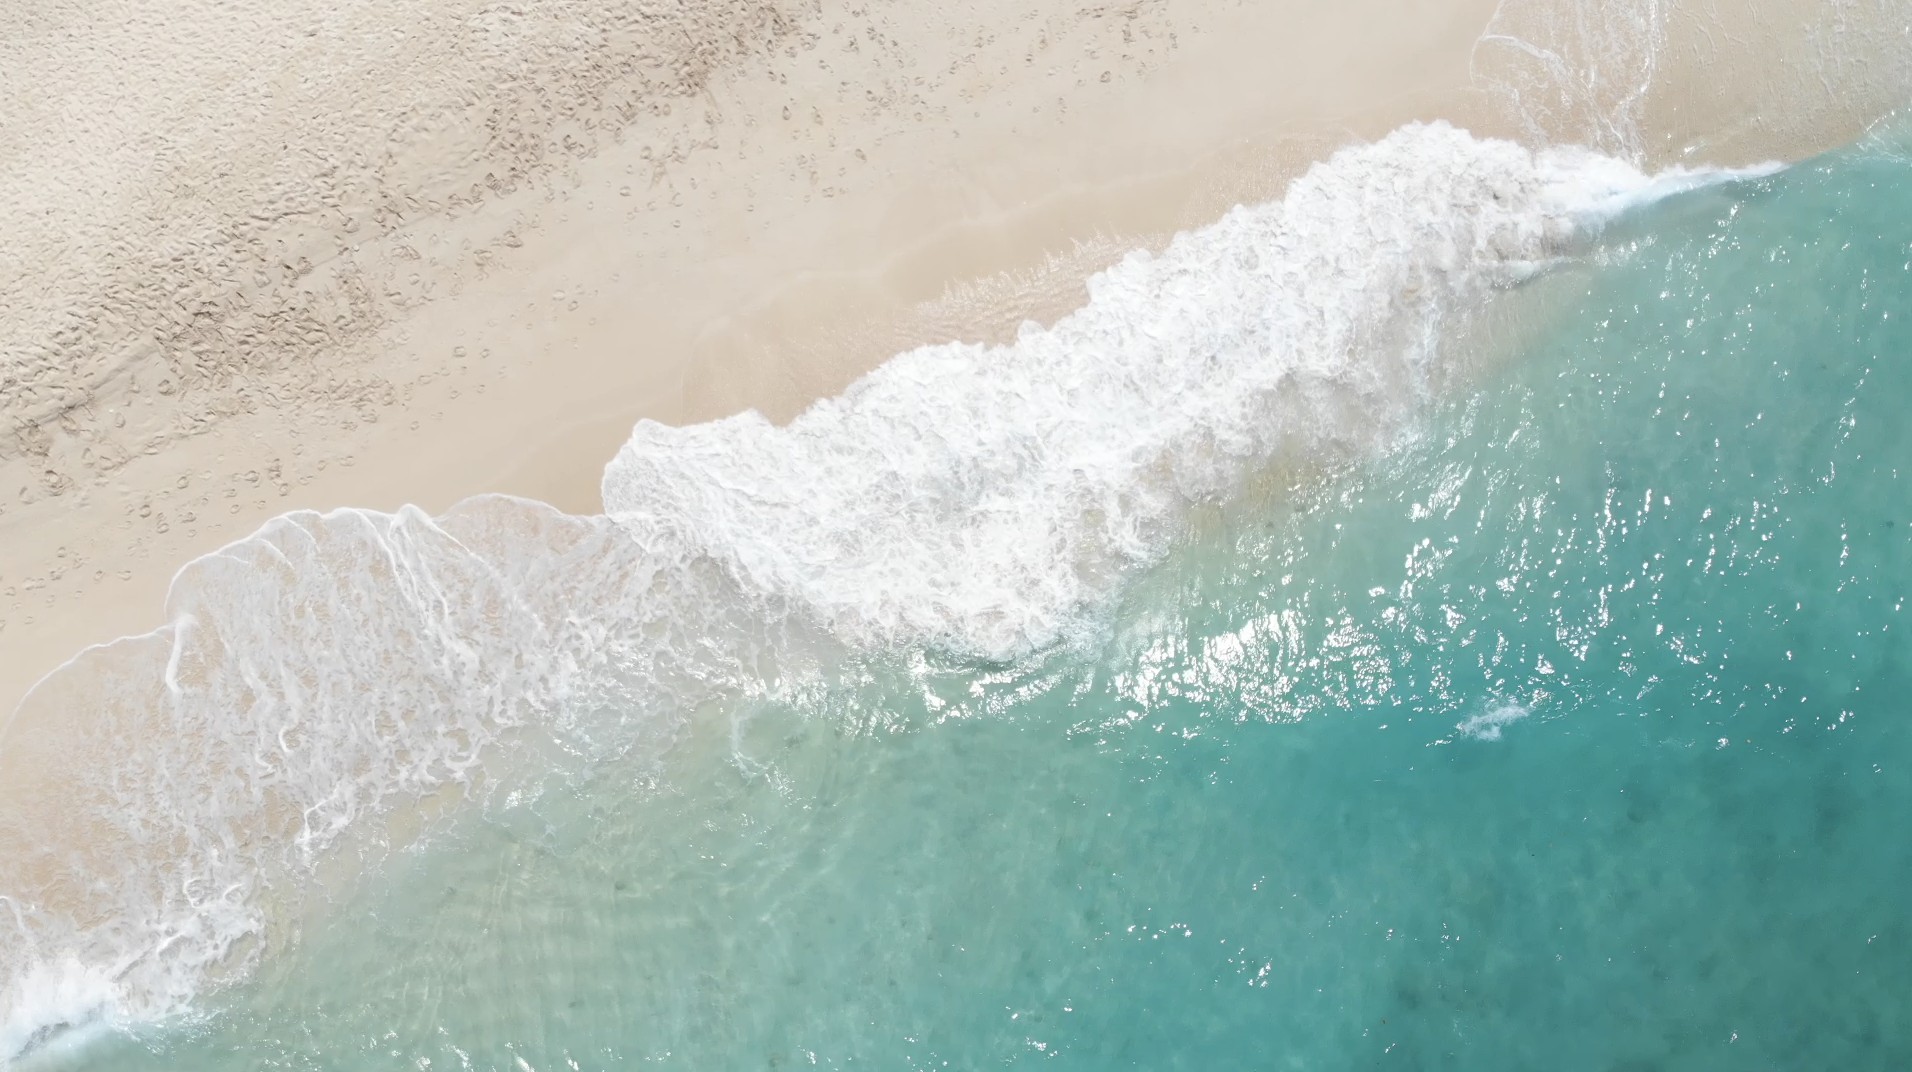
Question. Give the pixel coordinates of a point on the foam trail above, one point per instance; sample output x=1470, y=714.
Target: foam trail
x=1487, y=725
x=168, y=791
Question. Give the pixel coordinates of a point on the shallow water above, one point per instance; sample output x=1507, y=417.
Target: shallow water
x=1568, y=733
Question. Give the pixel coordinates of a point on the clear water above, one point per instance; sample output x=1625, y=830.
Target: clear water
x=1569, y=734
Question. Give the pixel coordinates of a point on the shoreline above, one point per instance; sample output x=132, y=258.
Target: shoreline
x=528, y=376
x=958, y=233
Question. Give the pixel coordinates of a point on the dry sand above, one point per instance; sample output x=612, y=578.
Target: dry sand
x=285, y=255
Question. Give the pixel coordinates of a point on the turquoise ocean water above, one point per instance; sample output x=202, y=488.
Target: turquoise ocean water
x=1568, y=732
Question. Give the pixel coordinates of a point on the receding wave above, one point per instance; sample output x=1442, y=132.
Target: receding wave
x=171, y=795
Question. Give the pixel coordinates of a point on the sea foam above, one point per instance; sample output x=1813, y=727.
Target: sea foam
x=1487, y=725
x=166, y=792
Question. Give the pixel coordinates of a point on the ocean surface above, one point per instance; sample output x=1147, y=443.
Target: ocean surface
x=1453, y=617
